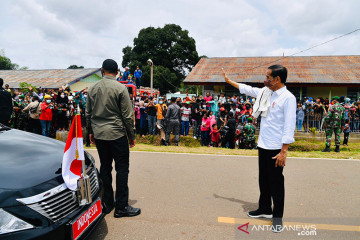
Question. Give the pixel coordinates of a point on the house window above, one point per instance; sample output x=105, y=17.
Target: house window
x=353, y=93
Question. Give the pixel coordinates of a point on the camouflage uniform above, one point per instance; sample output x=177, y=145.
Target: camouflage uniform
x=334, y=121
x=23, y=117
x=249, y=131
x=17, y=107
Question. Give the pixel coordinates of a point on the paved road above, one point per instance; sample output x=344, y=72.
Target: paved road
x=186, y=196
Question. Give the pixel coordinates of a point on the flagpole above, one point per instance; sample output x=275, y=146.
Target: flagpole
x=77, y=152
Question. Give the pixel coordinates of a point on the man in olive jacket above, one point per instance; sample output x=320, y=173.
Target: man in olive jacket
x=110, y=122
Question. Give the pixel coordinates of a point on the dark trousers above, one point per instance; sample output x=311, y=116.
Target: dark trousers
x=117, y=150
x=174, y=127
x=228, y=139
x=205, y=137
x=138, y=83
x=34, y=126
x=271, y=183
x=45, y=127
x=185, y=128
x=346, y=138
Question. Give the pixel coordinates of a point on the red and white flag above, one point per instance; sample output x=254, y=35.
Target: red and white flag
x=73, y=155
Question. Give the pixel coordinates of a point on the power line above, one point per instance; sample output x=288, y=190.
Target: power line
x=279, y=59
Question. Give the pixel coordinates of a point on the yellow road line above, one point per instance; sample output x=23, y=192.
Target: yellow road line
x=268, y=222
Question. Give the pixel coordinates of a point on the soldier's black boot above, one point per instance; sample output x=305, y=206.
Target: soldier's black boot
x=327, y=149
x=337, y=149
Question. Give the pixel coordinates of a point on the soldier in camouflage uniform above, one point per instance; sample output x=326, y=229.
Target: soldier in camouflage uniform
x=249, y=131
x=334, y=122
x=22, y=117
x=17, y=107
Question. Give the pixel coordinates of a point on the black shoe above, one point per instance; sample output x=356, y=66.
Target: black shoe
x=107, y=208
x=166, y=144
x=327, y=149
x=260, y=214
x=337, y=149
x=277, y=225
x=127, y=211
x=162, y=142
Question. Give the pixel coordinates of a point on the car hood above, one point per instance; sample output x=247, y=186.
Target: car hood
x=27, y=160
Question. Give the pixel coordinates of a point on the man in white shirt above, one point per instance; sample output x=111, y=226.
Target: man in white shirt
x=277, y=128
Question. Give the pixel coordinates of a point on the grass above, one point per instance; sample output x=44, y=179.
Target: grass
x=301, y=148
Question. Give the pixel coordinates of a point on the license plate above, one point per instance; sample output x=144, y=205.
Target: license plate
x=85, y=220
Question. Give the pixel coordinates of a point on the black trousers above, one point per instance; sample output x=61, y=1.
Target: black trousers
x=271, y=183
x=346, y=137
x=34, y=126
x=117, y=150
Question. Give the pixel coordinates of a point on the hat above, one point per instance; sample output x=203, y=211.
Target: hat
x=47, y=96
x=336, y=98
x=110, y=65
x=187, y=102
x=222, y=109
x=250, y=120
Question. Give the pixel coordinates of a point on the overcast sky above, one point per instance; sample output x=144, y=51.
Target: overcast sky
x=50, y=34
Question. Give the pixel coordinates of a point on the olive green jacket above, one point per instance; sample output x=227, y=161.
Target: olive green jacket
x=109, y=112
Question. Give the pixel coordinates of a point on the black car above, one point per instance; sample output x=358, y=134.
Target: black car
x=34, y=201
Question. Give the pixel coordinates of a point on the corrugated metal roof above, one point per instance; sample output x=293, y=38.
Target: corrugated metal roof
x=315, y=69
x=50, y=78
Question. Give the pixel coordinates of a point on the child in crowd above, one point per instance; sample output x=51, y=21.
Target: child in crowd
x=185, y=119
x=205, y=129
x=215, y=135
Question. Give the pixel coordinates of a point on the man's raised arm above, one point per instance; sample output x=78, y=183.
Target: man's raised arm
x=243, y=88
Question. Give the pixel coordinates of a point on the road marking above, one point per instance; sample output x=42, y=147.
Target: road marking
x=221, y=155
x=252, y=221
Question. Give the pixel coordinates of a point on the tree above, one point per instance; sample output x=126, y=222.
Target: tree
x=170, y=48
x=75, y=67
x=5, y=63
x=26, y=87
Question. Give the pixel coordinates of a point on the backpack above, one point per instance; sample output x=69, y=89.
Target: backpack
x=34, y=109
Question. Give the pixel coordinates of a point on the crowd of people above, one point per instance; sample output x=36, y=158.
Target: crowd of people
x=134, y=78
x=216, y=120
x=46, y=111
x=311, y=113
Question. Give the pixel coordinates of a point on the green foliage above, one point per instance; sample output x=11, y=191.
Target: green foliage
x=171, y=50
x=164, y=79
x=155, y=140
x=26, y=87
x=190, y=89
x=75, y=67
x=313, y=130
x=5, y=63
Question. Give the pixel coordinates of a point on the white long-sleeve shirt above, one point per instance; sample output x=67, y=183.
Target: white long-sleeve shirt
x=278, y=127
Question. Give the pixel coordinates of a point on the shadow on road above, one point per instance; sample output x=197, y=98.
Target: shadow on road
x=132, y=202
x=247, y=206
x=100, y=232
